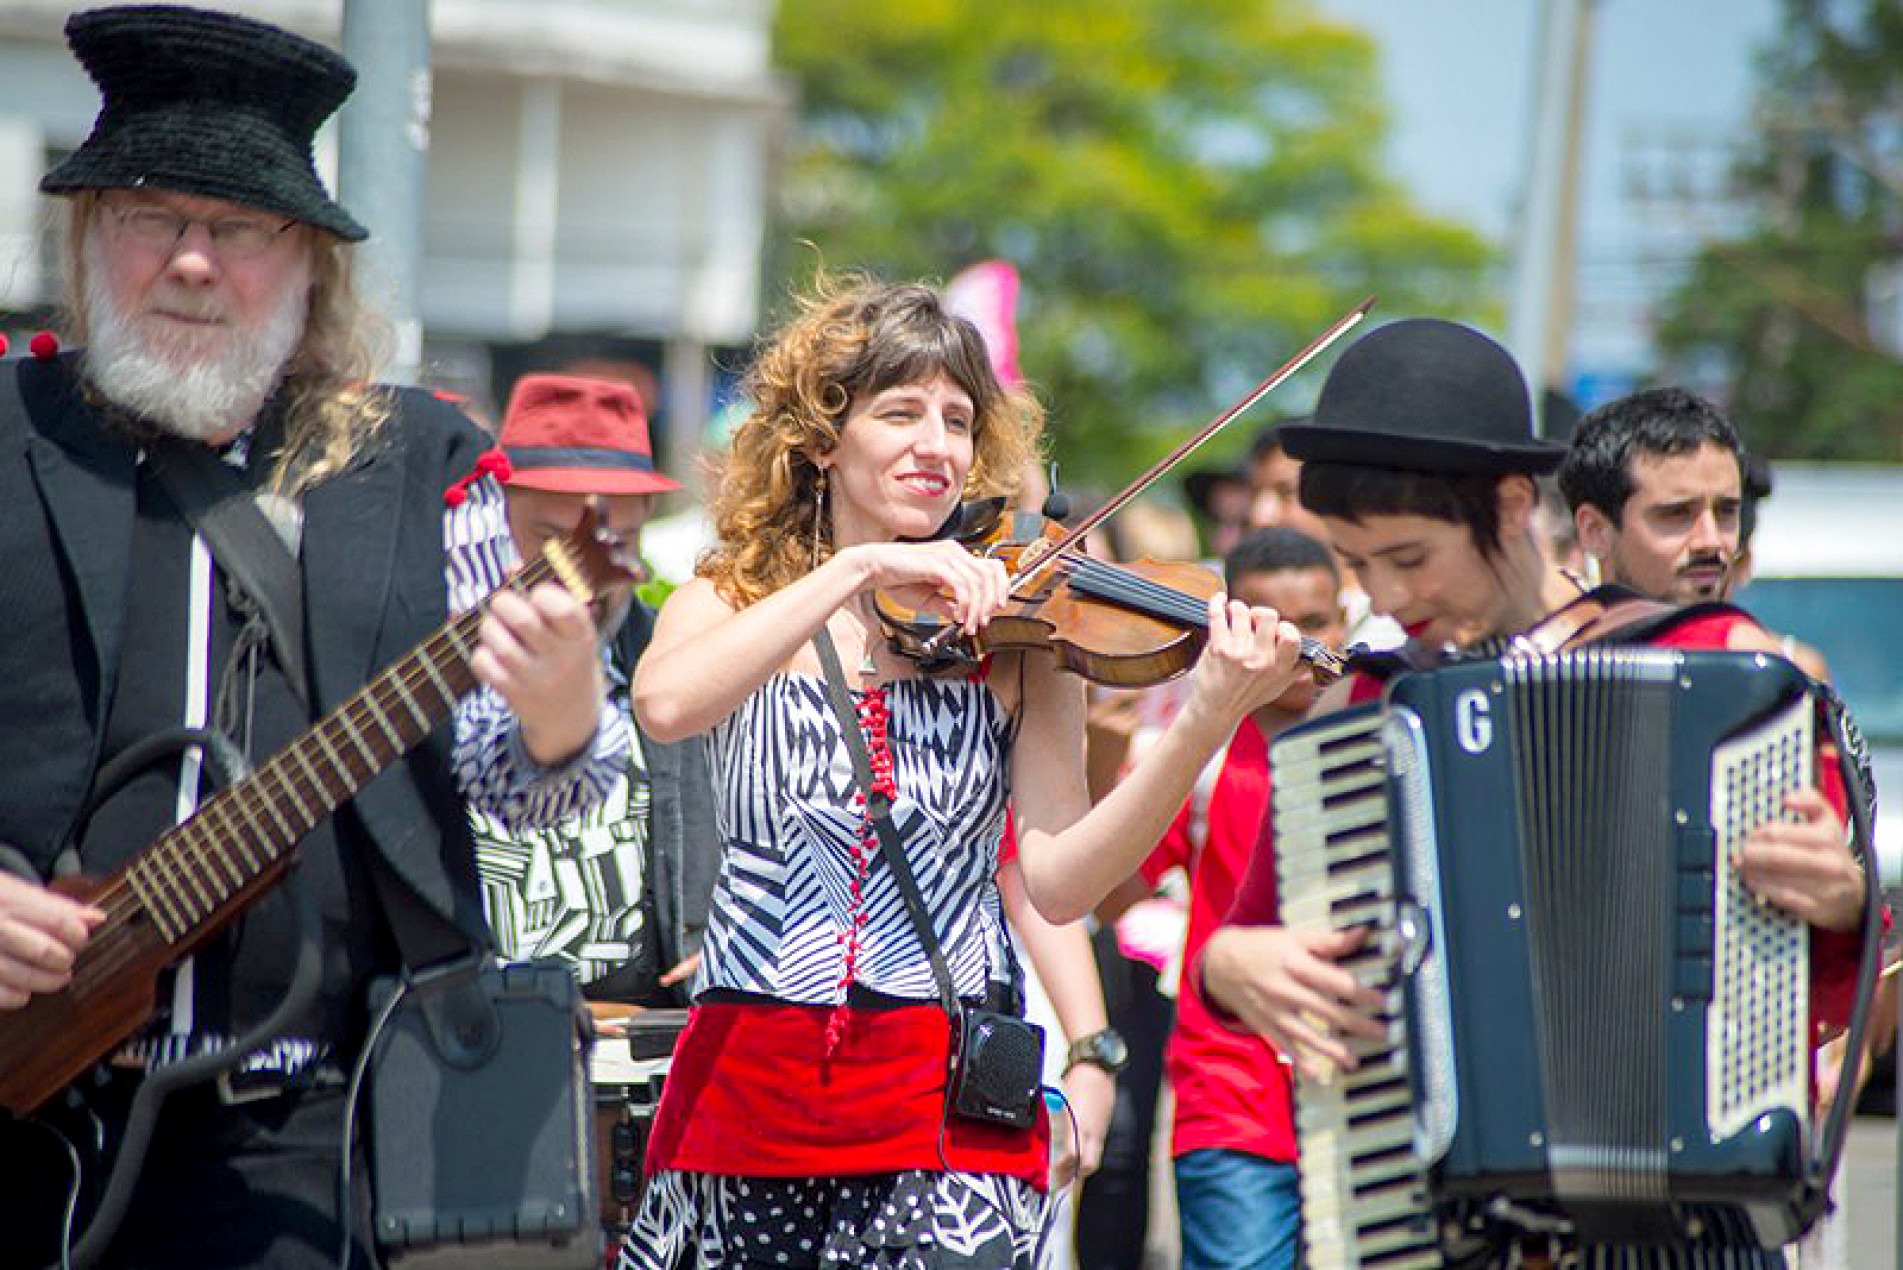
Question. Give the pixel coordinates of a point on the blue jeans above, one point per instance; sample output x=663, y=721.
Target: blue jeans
x=1238, y=1211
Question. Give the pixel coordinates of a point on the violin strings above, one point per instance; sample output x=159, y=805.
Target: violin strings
x=1114, y=582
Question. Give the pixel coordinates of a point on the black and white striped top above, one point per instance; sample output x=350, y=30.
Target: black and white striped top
x=788, y=823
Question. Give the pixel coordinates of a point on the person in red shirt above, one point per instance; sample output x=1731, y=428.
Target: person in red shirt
x=1234, y=1135
x=1421, y=461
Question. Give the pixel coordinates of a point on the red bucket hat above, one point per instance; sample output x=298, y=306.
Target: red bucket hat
x=579, y=436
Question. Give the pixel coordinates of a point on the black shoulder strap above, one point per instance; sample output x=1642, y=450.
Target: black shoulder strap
x=879, y=810
x=220, y=506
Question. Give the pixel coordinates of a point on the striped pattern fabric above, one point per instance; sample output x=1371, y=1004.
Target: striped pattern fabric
x=477, y=545
x=789, y=817
x=572, y=890
x=494, y=772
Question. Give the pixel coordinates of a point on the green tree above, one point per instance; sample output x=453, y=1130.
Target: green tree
x=1798, y=320
x=1191, y=189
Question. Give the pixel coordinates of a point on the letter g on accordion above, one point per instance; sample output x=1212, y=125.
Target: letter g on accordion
x=1594, y=1030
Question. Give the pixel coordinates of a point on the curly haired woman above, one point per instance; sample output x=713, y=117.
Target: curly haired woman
x=804, y=1121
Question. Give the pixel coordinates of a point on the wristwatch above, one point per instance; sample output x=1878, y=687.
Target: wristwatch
x=1103, y=1049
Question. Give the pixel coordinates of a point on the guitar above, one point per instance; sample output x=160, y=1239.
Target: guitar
x=198, y=877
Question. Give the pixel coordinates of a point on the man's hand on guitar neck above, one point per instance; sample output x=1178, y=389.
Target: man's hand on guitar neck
x=40, y=933
x=540, y=653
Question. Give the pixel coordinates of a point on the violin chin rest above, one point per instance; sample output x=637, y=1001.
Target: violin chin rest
x=975, y=519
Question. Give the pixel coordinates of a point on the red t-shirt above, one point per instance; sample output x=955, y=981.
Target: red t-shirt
x=1834, y=954
x=1231, y=1090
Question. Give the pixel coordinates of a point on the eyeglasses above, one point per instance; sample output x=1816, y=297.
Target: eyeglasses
x=159, y=228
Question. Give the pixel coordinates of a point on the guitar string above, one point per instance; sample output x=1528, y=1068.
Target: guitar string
x=194, y=848
x=423, y=667
x=354, y=714
x=197, y=847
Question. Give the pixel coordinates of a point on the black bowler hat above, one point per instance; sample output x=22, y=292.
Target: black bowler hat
x=205, y=103
x=1425, y=395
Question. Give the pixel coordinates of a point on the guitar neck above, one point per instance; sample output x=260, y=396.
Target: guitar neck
x=196, y=878
x=202, y=872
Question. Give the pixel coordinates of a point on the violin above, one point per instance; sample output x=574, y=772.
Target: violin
x=1120, y=625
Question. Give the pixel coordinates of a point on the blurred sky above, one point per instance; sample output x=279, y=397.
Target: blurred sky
x=1669, y=93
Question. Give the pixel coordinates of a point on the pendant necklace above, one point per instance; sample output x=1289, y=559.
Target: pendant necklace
x=868, y=664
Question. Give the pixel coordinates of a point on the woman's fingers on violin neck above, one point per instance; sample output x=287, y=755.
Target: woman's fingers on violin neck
x=1288, y=643
x=1219, y=619
x=1244, y=630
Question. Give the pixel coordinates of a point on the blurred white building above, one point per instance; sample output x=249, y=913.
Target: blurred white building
x=598, y=179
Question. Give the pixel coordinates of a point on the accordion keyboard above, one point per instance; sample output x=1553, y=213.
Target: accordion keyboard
x=1364, y=1191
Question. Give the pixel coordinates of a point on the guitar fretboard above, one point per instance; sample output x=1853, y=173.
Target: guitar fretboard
x=185, y=878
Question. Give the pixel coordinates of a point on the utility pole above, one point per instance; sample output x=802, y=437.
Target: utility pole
x=1540, y=322
x=383, y=152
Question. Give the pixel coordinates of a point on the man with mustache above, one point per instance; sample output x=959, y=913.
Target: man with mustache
x=1655, y=483
x=209, y=280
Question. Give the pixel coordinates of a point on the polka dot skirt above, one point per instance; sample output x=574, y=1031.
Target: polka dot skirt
x=905, y=1221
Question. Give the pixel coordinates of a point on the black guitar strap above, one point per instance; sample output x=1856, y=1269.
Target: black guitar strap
x=219, y=505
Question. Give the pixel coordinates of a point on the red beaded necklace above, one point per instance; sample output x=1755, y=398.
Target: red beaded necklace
x=874, y=716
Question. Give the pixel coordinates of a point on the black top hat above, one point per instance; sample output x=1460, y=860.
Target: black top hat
x=1425, y=395
x=197, y=102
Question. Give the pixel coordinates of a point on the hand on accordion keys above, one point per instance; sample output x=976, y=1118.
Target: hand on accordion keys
x=1285, y=985
x=1803, y=864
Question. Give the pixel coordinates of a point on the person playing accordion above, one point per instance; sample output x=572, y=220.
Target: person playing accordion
x=1422, y=462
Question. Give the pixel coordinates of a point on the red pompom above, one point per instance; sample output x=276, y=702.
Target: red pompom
x=3, y=345
x=44, y=345
x=491, y=462
x=497, y=464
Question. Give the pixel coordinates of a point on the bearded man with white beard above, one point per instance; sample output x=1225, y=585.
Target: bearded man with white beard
x=210, y=291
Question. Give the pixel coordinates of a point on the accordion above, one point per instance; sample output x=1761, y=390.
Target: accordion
x=1594, y=1031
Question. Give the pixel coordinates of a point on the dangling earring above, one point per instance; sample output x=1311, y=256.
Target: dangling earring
x=819, y=515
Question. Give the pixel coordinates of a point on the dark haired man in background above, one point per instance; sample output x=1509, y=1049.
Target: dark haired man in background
x=1655, y=481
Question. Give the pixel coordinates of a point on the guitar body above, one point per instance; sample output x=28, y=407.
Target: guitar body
x=54, y=1035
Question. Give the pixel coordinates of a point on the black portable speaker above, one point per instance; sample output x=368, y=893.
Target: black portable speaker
x=481, y=1124
x=997, y=1068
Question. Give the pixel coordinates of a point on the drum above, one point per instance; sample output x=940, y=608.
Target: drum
x=628, y=1068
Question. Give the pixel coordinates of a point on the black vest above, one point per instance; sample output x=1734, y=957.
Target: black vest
x=373, y=565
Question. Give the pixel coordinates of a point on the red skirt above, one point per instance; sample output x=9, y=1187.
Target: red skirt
x=751, y=1092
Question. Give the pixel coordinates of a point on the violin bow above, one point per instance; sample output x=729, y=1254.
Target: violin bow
x=1067, y=544
x=1075, y=535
